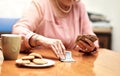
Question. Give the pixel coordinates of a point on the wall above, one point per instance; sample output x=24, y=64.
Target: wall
x=111, y=9
x=12, y=8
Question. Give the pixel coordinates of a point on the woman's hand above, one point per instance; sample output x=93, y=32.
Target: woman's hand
x=55, y=44
x=86, y=46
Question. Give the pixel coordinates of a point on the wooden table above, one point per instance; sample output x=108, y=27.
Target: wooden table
x=103, y=63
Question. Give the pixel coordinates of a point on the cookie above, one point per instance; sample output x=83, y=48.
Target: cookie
x=28, y=57
x=39, y=61
x=36, y=55
x=25, y=61
x=22, y=62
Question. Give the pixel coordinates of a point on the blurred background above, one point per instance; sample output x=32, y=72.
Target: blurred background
x=111, y=10
x=104, y=16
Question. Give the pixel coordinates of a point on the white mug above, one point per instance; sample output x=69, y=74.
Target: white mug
x=11, y=44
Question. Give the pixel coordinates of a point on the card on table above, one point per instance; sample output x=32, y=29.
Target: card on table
x=68, y=57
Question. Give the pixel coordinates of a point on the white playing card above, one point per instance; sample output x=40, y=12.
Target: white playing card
x=68, y=57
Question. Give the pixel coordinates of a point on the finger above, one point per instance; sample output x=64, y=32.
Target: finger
x=82, y=44
x=58, y=51
x=82, y=48
x=55, y=51
x=86, y=48
x=61, y=54
x=63, y=48
x=92, y=45
x=89, y=42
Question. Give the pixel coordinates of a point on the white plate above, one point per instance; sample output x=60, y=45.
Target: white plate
x=50, y=63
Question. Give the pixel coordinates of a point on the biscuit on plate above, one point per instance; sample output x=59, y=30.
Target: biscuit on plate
x=39, y=61
x=21, y=62
x=28, y=57
x=36, y=55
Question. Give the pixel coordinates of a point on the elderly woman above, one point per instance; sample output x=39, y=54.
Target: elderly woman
x=54, y=24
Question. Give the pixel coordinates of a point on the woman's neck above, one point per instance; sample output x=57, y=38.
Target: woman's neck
x=63, y=8
x=60, y=11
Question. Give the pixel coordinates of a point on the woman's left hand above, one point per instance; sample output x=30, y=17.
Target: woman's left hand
x=86, y=46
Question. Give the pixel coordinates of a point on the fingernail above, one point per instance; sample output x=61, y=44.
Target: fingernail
x=62, y=58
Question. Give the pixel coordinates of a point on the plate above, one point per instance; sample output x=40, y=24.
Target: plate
x=50, y=63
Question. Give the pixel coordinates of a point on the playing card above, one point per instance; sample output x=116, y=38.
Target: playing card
x=68, y=57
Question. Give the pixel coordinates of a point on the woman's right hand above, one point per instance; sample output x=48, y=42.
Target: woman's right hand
x=55, y=44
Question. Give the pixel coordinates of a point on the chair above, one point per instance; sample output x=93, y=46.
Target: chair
x=6, y=24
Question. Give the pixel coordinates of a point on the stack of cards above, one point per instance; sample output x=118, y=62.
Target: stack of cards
x=68, y=57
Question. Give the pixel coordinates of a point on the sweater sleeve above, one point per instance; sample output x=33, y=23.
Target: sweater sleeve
x=28, y=23
x=85, y=24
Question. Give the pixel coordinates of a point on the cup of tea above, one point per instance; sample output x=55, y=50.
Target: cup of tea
x=11, y=44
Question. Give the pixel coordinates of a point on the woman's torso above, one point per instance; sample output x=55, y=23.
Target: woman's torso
x=65, y=29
